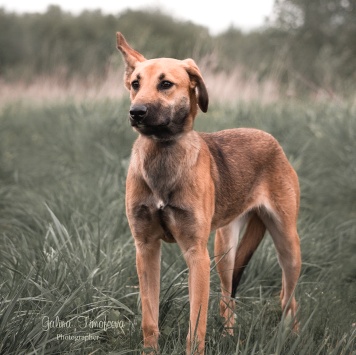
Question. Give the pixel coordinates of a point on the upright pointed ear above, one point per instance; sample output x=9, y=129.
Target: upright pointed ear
x=131, y=57
x=197, y=83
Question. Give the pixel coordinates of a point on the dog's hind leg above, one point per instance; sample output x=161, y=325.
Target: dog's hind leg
x=231, y=257
x=286, y=240
x=250, y=241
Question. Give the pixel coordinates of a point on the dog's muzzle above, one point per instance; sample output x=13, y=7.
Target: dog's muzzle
x=157, y=121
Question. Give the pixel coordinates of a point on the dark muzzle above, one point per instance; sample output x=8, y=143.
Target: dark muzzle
x=138, y=113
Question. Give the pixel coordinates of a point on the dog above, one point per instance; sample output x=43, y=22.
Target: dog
x=181, y=185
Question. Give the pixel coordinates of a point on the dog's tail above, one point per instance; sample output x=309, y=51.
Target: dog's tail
x=251, y=239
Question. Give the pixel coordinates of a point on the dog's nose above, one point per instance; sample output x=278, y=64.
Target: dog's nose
x=138, y=112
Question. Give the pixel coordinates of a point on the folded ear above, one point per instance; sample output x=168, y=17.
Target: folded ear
x=131, y=57
x=197, y=83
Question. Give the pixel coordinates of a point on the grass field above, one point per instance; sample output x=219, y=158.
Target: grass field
x=67, y=259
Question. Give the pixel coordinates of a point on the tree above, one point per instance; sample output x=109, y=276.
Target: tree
x=320, y=36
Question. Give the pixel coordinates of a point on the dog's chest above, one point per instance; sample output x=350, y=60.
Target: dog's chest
x=161, y=175
x=165, y=170
x=166, y=175
x=156, y=210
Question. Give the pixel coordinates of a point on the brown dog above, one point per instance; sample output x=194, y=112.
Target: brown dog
x=181, y=185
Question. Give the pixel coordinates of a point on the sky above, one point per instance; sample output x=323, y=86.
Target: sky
x=216, y=15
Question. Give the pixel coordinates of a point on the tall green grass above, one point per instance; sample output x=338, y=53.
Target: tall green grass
x=66, y=252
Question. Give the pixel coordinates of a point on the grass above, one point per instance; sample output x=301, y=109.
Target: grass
x=67, y=258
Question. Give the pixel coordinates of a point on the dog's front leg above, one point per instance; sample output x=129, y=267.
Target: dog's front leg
x=198, y=261
x=148, y=269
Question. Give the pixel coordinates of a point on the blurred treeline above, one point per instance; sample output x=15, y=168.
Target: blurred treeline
x=305, y=45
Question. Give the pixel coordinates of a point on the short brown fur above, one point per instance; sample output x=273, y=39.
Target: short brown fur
x=181, y=185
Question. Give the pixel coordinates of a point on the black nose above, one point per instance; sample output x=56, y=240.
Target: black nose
x=138, y=112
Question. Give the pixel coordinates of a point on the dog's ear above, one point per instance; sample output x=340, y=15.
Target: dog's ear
x=197, y=83
x=131, y=57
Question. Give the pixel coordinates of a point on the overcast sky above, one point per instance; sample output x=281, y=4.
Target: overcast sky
x=216, y=15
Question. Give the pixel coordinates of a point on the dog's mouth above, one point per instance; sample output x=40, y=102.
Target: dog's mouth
x=146, y=125
x=162, y=131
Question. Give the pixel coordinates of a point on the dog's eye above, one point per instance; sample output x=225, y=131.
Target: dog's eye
x=165, y=84
x=135, y=85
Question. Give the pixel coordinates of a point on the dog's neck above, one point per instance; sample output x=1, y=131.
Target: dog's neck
x=163, y=164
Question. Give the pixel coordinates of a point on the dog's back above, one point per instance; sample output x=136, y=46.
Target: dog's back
x=249, y=165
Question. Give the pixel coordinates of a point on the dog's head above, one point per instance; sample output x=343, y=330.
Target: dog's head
x=165, y=93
